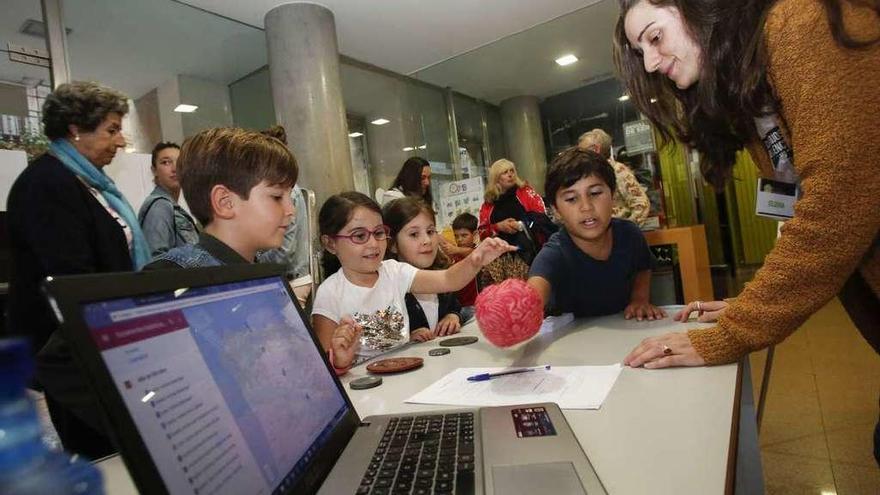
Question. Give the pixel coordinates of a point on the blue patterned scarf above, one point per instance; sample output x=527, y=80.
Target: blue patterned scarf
x=95, y=177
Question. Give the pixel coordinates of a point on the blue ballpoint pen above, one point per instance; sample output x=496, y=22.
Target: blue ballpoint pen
x=488, y=376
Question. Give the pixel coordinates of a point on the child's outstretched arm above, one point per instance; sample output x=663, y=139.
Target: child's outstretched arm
x=639, y=306
x=459, y=274
x=542, y=285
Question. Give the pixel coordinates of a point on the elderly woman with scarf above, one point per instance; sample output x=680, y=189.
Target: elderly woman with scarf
x=66, y=216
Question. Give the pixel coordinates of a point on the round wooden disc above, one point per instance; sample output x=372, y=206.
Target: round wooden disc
x=395, y=365
x=456, y=341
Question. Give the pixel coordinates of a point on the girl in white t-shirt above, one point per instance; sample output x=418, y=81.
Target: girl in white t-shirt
x=367, y=293
x=414, y=240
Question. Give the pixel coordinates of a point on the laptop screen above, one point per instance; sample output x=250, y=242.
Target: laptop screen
x=224, y=383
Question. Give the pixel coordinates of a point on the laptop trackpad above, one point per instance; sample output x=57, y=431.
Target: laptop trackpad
x=552, y=477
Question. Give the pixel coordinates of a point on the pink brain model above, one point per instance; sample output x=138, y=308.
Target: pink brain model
x=509, y=313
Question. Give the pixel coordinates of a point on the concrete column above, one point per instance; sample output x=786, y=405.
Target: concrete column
x=521, y=119
x=304, y=72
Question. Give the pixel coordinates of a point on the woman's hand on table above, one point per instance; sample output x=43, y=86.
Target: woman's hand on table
x=663, y=351
x=706, y=311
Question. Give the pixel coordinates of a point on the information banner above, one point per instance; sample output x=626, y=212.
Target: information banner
x=458, y=197
x=639, y=137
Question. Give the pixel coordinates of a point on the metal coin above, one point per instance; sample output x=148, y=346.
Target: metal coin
x=365, y=382
x=439, y=351
x=456, y=341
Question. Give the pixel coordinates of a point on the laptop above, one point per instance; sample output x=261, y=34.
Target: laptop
x=212, y=381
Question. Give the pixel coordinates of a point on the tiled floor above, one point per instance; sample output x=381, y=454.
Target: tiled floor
x=821, y=409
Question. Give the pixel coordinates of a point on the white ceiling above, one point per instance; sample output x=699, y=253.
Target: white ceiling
x=490, y=49
x=524, y=64
x=406, y=36
x=136, y=45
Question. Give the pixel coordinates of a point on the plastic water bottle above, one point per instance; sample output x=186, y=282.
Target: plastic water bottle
x=27, y=465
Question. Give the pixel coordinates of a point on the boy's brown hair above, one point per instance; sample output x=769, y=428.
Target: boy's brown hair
x=235, y=158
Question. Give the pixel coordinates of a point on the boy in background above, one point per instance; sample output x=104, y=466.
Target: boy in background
x=464, y=226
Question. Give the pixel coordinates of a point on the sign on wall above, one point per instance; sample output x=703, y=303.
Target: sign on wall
x=460, y=196
x=639, y=137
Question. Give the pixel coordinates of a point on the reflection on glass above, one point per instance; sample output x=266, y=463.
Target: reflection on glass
x=409, y=119
x=24, y=79
x=164, y=55
x=360, y=164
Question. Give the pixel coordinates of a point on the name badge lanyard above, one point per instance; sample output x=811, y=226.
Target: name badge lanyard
x=776, y=197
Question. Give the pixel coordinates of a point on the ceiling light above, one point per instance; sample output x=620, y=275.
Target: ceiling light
x=408, y=148
x=566, y=60
x=653, y=100
x=184, y=108
x=623, y=98
x=380, y=121
x=423, y=147
x=355, y=134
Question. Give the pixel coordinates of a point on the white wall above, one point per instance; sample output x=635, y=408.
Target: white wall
x=143, y=128
x=132, y=175
x=212, y=98
x=12, y=162
x=169, y=97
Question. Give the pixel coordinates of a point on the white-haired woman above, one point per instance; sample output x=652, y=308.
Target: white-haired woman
x=513, y=211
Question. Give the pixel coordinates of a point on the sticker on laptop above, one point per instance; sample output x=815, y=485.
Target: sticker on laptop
x=532, y=422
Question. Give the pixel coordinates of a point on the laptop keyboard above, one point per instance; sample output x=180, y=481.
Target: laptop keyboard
x=422, y=455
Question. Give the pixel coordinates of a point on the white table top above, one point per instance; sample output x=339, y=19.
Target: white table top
x=659, y=431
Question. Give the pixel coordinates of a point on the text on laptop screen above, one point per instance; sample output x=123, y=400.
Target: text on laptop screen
x=226, y=387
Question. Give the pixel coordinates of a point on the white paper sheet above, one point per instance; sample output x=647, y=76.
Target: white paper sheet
x=571, y=387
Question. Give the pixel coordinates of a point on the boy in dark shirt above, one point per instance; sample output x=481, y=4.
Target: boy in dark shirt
x=596, y=265
x=237, y=184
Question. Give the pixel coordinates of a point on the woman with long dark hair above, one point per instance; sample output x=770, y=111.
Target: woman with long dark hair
x=794, y=82
x=413, y=179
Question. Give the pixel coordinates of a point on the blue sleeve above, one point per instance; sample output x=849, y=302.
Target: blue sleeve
x=548, y=263
x=158, y=226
